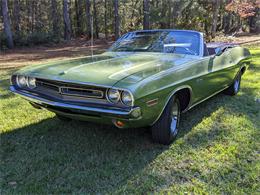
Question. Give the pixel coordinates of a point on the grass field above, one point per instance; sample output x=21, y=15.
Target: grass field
x=217, y=151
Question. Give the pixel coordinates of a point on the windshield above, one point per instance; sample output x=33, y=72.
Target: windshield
x=180, y=42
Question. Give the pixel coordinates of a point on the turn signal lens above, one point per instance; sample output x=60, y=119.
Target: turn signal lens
x=119, y=124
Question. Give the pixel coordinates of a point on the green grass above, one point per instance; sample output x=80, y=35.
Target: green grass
x=217, y=151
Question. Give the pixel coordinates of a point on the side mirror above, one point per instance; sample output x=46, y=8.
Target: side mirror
x=219, y=51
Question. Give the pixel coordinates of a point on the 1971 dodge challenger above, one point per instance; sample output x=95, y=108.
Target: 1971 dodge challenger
x=146, y=78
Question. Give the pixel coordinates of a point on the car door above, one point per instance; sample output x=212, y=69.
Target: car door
x=213, y=74
x=205, y=82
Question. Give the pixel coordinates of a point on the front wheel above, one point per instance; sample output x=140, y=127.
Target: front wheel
x=233, y=89
x=165, y=130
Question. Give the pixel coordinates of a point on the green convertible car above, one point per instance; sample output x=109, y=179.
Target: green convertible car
x=146, y=78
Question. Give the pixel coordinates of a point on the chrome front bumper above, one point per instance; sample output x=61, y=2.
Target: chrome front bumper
x=118, y=113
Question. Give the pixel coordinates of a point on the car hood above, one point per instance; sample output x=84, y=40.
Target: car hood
x=107, y=68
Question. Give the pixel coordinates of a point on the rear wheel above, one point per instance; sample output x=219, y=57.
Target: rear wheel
x=166, y=128
x=233, y=89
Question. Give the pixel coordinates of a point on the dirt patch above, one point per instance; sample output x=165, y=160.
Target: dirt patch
x=41, y=54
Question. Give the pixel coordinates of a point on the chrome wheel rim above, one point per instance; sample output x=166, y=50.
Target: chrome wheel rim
x=236, y=85
x=174, y=119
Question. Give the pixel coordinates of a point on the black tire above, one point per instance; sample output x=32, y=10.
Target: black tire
x=162, y=132
x=234, y=88
x=63, y=118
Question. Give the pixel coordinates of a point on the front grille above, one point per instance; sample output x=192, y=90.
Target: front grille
x=70, y=89
x=47, y=85
x=90, y=93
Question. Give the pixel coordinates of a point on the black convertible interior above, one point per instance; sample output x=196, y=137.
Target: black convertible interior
x=213, y=47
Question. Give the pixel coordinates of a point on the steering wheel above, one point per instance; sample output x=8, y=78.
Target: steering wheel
x=170, y=50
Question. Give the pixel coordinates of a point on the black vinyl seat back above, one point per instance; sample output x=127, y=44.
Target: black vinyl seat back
x=206, y=52
x=211, y=51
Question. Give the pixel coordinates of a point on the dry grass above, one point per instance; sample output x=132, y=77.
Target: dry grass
x=245, y=39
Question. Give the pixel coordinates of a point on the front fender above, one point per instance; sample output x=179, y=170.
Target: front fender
x=153, y=105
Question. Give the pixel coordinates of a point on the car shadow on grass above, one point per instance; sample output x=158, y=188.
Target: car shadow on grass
x=53, y=156
x=76, y=156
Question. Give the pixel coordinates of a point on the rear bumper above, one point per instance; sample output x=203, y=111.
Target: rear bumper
x=78, y=109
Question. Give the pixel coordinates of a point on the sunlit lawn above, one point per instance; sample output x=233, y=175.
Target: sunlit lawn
x=216, y=152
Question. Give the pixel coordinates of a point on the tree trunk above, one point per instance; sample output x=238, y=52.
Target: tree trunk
x=17, y=17
x=133, y=14
x=254, y=22
x=7, y=28
x=33, y=14
x=37, y=16
x=163, y=24
x=66, y=18
x=227, y=23
x=77, y=18
x=116, y=15
x=257, y=21
x=95, y=19
x=169, y=15
x=89, y=25
x=78, y=7
x=146, y=22
x=106, y=33
x=29, y=15
x=55, y=19
x=215, y=18
x=71, y=10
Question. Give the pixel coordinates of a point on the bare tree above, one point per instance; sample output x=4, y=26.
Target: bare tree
x=7, y=28
x=146, y=21
x=116, y=19
x=89, y=25
x=95, y=19
x=78, y=7
x=257, y=20
x=17, y=16
x=215, y=18
x=105, y=20
x=55, y=18
x=66, y=18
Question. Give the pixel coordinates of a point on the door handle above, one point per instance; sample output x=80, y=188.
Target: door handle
x=199, y=80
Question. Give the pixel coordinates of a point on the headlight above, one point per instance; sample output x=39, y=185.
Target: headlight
x=31, y=82
x=113, y=95
x=21, y=81
x=127, y=98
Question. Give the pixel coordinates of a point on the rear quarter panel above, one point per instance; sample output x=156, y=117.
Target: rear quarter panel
x=227, y=65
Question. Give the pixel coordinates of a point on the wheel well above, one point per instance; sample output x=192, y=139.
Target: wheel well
x=243, y=69
x=184, y=95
